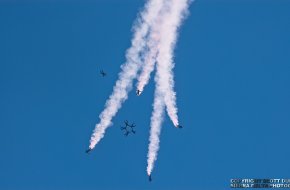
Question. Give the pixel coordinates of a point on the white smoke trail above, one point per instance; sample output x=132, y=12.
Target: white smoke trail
x=164, y=76
x=179, y=9
x=156, y=121
x=129, y=70
x=150, y=58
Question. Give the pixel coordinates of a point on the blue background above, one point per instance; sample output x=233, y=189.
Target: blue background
x=232, y=82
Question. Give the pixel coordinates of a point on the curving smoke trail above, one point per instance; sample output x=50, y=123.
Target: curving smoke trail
x=179, y=9
x=165, y=94
x=174, y=19
x=129, y=69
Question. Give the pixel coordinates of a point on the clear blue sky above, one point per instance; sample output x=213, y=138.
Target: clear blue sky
x=232, y=81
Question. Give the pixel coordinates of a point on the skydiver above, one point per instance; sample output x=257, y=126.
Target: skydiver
x=150, y=179
x=89, y=150
x=103, y=73
x=126, y=123
x=126, y=133
x=138, y=92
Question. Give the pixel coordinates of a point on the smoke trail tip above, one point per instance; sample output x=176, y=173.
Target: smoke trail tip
x=148, y=173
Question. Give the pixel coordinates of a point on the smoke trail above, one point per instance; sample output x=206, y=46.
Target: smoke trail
x=129, y=69
x=156, y=121
x=179, y=9
x=164, y=77
x=150, y=58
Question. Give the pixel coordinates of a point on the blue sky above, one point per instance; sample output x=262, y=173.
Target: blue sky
x=232, y=82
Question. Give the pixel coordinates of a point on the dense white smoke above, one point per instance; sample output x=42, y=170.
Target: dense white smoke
x=156, y=121
x=153, y=43
x=164, y=75
x=150, y=57
x=165, y=57
x=129, y=69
